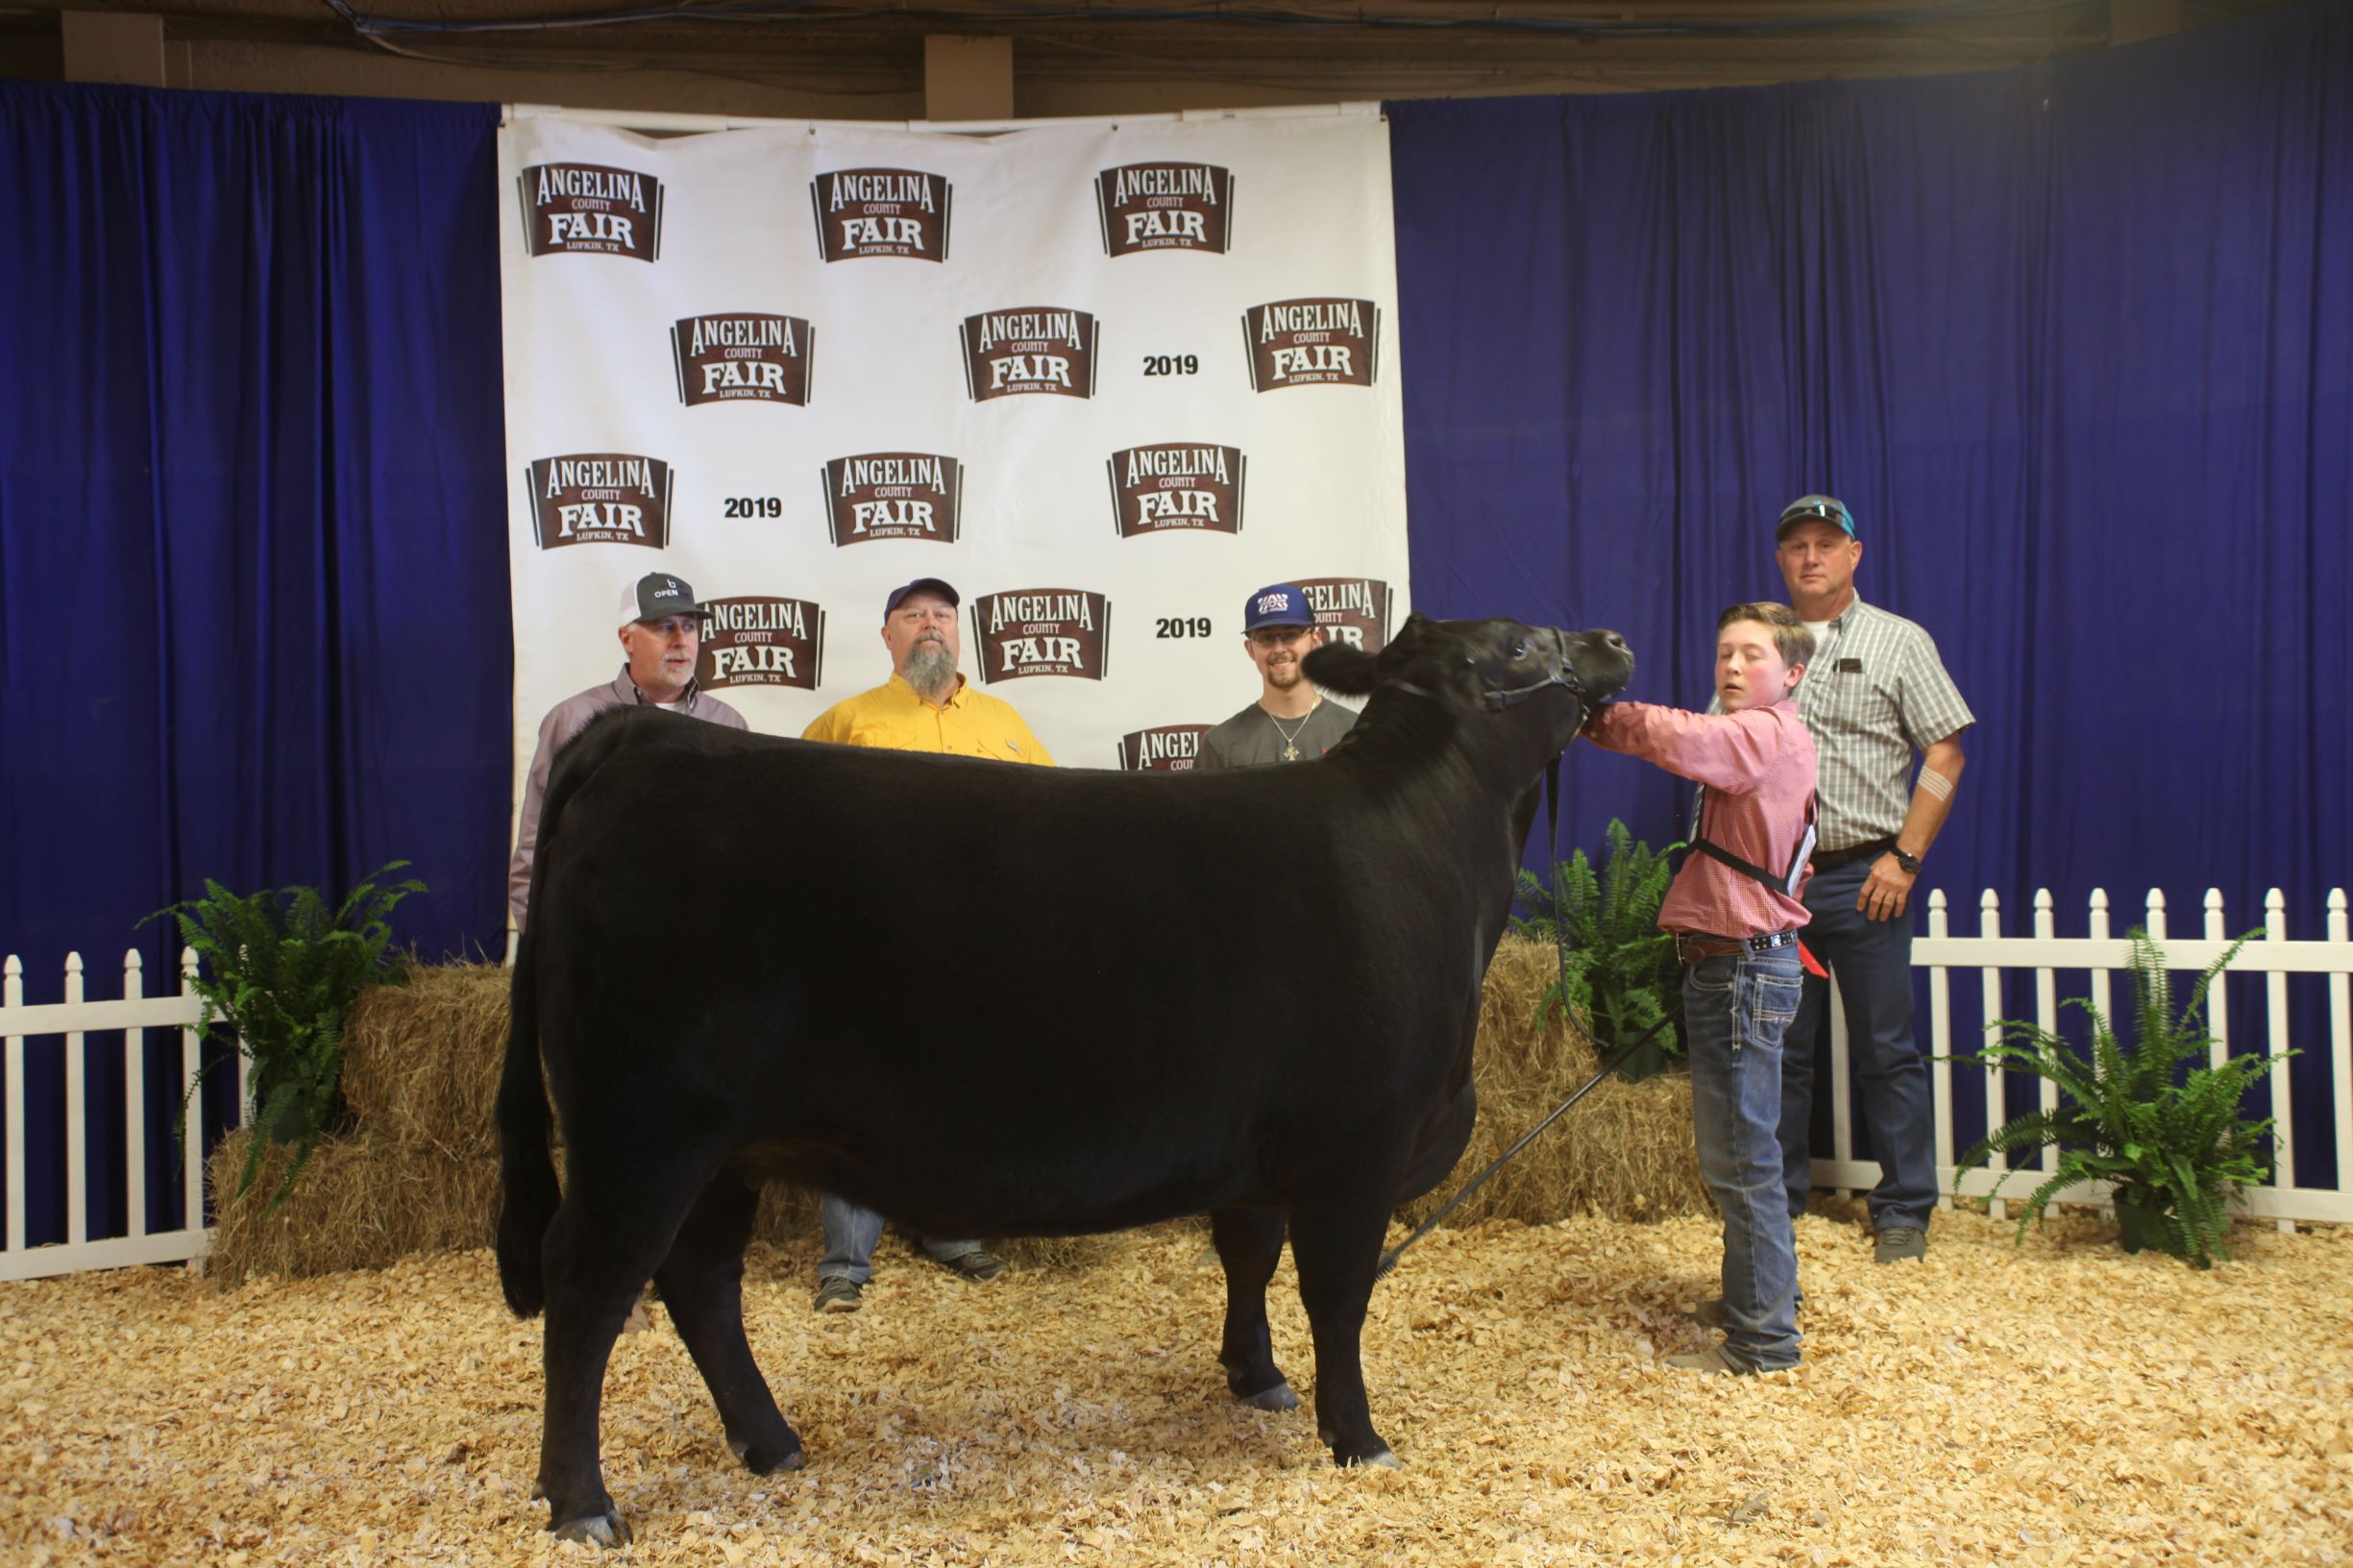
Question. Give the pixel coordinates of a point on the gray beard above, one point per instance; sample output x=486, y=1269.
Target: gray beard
x=931, y=670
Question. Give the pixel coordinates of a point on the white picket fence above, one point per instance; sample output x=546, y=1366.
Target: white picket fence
x=2273, y=955
x=134, y=1014
x=1990, y=953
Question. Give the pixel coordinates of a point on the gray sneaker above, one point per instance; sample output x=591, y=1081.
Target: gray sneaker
x=836, y=1293
x=1715, y=1360
x=976, y=1265
x=1896, y=1243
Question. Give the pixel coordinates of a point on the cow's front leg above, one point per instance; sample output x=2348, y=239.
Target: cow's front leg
x=1336, y=1242
x=702, y=1284
x=1249, y=1244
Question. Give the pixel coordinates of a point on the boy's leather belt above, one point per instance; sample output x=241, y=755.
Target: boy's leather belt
x=1690, y=947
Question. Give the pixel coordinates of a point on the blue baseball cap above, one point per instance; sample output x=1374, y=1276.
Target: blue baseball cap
x=1814, y=509
x=1282, y=604
x=922, y=585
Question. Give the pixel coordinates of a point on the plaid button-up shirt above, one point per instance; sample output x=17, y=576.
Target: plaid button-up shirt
x=1875, y=693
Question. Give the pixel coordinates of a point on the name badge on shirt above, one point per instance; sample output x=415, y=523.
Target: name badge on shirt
x=1850, y=667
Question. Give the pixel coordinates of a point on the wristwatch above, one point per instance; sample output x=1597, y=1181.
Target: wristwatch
x=1910, y=862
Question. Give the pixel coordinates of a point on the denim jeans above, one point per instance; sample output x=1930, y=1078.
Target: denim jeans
x=1735, y=1010
x=1872, y=960
x=851, y=1234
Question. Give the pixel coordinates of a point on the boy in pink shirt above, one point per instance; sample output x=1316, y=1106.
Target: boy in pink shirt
x=1735, y=910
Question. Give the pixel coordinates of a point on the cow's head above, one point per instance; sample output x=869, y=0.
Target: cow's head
x=1541, y=677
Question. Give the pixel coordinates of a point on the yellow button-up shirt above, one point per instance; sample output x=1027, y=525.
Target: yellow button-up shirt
x=970, y=724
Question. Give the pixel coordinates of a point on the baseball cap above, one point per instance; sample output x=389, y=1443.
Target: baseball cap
x=1282, y=604
x=1814, y=509
x=921, y=585
x=655, y=594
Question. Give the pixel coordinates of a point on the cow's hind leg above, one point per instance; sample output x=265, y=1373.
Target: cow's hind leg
x=1336, y=1242
x=615, y=1225
x=1250, y=1243
x=703, y=1285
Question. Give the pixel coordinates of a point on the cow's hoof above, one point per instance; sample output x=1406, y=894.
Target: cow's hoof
x=1278, y=1398
x=767, y=1459
x=607, y=1529
x=1384, y=1459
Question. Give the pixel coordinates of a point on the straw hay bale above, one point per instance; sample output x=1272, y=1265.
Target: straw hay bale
x=421, y=1060
x=1625, y=1152
x=363, y=1201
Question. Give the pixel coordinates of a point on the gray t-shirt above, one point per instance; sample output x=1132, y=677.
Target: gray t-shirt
x=1250, y=739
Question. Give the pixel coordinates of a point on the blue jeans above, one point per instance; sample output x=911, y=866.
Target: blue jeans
x=851, y=1234
x=1735, y=1010
x=1872, y=960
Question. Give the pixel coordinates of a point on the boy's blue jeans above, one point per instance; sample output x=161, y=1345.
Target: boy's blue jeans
x=1736, y=1009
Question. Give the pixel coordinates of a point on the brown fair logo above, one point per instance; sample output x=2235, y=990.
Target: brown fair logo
x=1032, y=348
x=743, y=358
x=1041, y=631
x=1176, y=486
x=757, y=641
x=870, y=212
x=1169, y=748
x=600, y=498
x=591, y=210
x=895, y=495
x=1351, y=610
x=1165, y=207
x=1312, y=342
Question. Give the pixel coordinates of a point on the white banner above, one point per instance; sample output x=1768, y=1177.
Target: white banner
x=1106, y=379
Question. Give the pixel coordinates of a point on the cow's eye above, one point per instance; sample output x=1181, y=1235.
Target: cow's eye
x=1519, y=650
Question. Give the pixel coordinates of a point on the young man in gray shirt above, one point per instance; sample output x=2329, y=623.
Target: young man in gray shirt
x=1291, y=721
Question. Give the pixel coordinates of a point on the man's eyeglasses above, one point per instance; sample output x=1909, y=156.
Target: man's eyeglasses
x=1278, y=636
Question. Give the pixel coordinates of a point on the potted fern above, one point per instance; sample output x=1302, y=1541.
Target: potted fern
x=1621, y=976
x=2172, y=1145
x=281, y=969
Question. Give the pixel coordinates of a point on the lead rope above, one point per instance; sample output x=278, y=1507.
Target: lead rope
x=1617, y=1058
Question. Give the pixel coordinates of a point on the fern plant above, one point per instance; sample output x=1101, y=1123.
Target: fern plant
x=2173, y=1146
x=281, y=969
x=1621, y=976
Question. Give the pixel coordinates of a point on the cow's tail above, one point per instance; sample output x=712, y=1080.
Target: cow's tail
x=527, y=1168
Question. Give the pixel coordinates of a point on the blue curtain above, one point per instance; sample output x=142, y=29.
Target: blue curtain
x=252, y=560
x=2074, y=342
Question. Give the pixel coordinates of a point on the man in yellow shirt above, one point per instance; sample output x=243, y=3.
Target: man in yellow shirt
x=926, y=705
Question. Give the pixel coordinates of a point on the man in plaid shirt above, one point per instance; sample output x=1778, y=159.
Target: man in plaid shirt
x=1875, y=695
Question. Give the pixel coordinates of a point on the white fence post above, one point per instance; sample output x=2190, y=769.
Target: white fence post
x=191, y=1104
x=2341, y=1045
x=2275, y=1002
x=13, y=997
x=135, y=1102
x=1940, y=1047
x=2047, y=1009
x=2217, y=1000
x=1989, y=992
x=77, y=1133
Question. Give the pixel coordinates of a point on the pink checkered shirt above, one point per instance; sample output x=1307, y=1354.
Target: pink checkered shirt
x=1758, y=768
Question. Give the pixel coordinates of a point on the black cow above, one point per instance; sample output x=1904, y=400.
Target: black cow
x=1003, y=1001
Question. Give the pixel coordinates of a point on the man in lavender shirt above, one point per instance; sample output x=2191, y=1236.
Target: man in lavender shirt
x=1735, y=910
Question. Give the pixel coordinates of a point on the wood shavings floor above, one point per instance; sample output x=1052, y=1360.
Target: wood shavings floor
x=2058, y=1404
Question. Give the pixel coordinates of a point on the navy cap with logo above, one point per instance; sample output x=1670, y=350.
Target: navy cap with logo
x=921, y=585
x=1280, y=605
x=655, y=594
x=1814, y=509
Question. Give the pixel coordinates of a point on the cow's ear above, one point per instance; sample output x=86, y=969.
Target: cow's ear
x=1342, y=668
